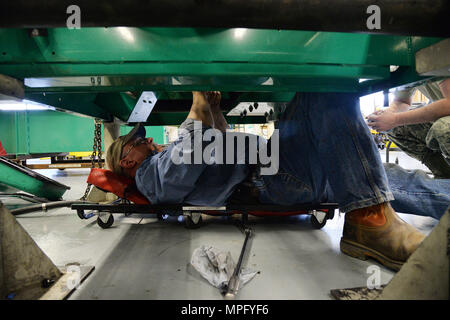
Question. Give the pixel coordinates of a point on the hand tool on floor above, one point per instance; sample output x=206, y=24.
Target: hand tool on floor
x=234, y=282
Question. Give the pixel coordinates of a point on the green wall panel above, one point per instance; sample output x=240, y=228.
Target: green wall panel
x=156, y=132
x=28, y=132
x=7, y=135
x=59, y=132
x=31, y=132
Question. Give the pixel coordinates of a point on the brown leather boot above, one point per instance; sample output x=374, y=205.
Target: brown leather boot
x=378, y=232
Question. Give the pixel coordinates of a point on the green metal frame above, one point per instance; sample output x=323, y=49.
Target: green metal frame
x=13, y=176
x=259, y=65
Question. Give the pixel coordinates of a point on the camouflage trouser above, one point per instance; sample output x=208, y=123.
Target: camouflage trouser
x=426, y=142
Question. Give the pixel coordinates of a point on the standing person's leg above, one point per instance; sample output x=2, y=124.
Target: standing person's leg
x=342, y=150
x=416, y=193
x=411, y=139
x=438, y=139
x=426, y=142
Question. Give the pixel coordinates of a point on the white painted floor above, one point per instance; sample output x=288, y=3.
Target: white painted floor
x=142, y=258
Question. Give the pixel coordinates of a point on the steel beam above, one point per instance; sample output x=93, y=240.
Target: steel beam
x=176, y=118
x=291, y=84
x=196, y=70
x=403, y=76
x=186, y=59
x=118, y=104
x=181, y=105
x=76, y=103
x=406, y=17
x=434, y=60
x=195, y=52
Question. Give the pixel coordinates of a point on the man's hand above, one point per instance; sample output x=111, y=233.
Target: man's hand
x=213, y=98
x=200, y=109
x=383, y=120
x=387, y=119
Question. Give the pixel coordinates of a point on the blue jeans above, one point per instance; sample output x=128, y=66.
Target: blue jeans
x=327, y=153
x=415, y=192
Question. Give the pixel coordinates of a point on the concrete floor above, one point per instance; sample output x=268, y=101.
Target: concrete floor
x=143, y=258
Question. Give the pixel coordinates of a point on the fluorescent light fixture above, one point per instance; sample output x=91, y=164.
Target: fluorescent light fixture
x=126, y=33
x=362, y=80
x=25, y=105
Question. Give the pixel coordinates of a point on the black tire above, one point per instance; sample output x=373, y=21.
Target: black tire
x=108, y=223
x=80, y=214
x=330, y=214
x=190, y=224
x=316, y=224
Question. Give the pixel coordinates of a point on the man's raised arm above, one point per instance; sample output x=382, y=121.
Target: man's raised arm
x=398, y=114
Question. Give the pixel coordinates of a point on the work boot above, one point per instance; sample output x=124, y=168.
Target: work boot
x=378, y=232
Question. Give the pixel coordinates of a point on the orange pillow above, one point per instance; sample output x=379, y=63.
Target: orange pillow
x=122, y=187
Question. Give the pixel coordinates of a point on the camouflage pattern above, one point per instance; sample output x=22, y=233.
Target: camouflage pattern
x=431, y=90
x=426, y=142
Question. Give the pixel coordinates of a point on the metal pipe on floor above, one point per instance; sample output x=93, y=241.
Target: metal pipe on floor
x=44, y=207
x=406, y=17
x=234, y=282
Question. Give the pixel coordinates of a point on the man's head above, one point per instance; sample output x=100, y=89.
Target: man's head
x=127, y=152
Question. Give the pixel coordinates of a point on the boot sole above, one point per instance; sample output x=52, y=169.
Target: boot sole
x=359, y=251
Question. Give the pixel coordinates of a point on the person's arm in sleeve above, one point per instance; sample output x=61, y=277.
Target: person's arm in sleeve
x=397, y=116
x=179, y=167
x=176, y=182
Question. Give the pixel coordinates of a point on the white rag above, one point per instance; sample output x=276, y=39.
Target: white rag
x=217, y=266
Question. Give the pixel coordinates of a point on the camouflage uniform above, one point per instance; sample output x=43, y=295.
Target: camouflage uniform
x=427, y=142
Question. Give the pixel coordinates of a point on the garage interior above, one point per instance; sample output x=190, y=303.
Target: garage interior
x=67, y=93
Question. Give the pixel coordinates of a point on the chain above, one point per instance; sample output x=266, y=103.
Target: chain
x=97, y=147
x=96, y=155
x=86, y=192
